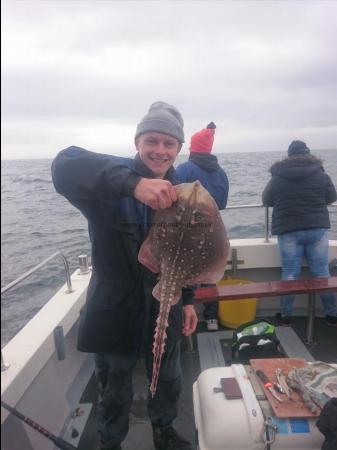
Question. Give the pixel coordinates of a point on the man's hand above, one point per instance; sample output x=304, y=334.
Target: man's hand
x=158, y=194
x=190, y=320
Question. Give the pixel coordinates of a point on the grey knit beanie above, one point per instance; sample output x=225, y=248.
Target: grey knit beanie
x=298, y=148
x=162, y=118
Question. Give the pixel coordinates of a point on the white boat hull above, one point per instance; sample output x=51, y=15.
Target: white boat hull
x=48, y=390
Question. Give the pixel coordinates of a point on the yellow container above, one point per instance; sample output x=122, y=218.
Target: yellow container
x=232, y=313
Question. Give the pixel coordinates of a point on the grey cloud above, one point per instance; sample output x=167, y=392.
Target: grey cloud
x=269, y=67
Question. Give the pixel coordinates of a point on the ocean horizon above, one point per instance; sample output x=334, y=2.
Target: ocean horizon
x=184, y=152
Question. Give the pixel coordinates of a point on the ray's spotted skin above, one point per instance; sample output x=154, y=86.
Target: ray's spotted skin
x=187, y=245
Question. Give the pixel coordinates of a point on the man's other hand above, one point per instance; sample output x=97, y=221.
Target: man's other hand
x=190, y=320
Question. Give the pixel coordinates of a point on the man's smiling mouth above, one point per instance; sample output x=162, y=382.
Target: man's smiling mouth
x=156, y=158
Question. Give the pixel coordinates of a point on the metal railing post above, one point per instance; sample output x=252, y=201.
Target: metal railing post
x=68, y=278
x=234, y=262
x=34, y=269
x=311, y=318
x=267, y=224
x=83, y=263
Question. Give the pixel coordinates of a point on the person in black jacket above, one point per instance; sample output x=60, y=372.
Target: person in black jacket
x=117, y=196
x=299, y=192
x=204, y=166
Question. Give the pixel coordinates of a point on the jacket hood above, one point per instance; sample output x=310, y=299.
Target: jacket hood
x=205, y=160
x=298, y=167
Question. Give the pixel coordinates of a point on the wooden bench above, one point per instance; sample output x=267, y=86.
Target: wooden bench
x=271, y=289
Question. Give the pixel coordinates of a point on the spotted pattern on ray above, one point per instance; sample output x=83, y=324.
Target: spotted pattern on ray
x=188, y=244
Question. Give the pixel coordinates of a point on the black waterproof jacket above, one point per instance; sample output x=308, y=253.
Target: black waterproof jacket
x=120, y=312
x=299, y=192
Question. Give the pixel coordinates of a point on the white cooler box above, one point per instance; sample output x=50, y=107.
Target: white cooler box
x=240, y=424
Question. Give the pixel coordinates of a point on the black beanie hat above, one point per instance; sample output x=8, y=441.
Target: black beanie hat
x=298, y=148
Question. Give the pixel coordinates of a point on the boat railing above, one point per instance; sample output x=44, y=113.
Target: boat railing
x=84, y=269
x=266, y=215
x=34, y=269
x=18, y=280
x=83, y=258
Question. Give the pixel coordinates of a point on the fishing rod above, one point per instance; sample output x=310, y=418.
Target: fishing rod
x=60, y=443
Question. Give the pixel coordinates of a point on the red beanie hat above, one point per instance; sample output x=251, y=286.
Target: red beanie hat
x=202, y=141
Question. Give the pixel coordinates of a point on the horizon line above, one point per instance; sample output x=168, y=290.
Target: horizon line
x=181, y=154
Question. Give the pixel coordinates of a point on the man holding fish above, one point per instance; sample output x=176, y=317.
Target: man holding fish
x=118, y=197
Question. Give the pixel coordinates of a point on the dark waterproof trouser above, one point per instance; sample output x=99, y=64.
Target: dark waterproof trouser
x=211, y=311
x=114, y=374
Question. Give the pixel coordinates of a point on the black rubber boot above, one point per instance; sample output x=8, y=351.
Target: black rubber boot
x=283, y=321
x=166, y=438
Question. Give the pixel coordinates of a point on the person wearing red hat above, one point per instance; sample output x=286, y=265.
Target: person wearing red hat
x=204, y=166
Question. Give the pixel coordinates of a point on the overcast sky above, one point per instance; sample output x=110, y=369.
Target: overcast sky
x=85, y=72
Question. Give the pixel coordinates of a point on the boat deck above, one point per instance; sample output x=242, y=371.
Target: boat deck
x=139, y=436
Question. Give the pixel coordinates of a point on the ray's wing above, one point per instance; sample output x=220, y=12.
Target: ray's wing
x=146, y=256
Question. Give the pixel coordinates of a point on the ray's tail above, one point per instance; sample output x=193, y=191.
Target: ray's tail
x=159, y=342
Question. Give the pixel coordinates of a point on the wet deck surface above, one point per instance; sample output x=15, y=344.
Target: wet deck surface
x=140, y=438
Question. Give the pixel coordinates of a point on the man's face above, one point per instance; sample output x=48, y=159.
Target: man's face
x=158, y=151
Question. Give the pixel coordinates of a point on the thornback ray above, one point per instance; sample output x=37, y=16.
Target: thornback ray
x=187, y=244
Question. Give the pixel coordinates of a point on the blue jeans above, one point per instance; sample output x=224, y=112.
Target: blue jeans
x=313, y=244
x=114, y=375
